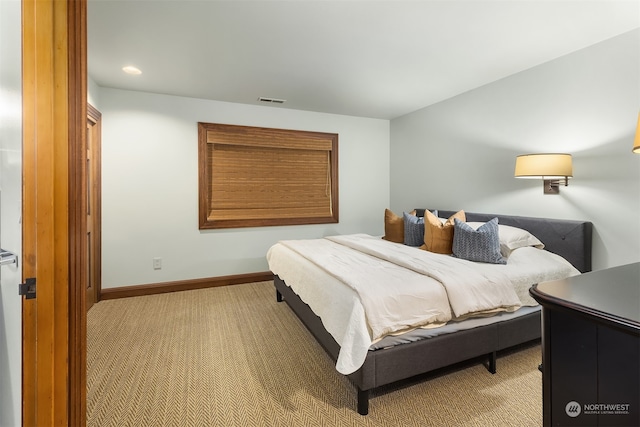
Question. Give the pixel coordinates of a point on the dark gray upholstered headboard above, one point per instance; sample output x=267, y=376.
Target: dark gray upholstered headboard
x=567, y=238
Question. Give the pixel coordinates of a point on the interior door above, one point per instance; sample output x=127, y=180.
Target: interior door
x=92, y=172
x=54, y=117
x=10, y=211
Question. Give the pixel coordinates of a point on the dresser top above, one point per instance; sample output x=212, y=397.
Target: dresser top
x=611, y=295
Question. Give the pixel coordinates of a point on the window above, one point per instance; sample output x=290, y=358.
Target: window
x=253, y=177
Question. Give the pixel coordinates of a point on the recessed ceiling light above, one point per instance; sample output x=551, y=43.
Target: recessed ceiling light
x=131, y=70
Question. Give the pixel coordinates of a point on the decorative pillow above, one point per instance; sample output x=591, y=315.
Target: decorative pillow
x=482, y=245
x=394, y=227
x=512, y=238
x=438, y=236
x=413, y=229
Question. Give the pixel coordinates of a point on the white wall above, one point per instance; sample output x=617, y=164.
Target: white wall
x=150, y=183
x=460, y=153
x=10, y=211
x=93, y=93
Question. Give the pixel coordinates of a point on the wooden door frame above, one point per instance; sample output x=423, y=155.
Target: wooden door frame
x=77, y=96
x=54, y=120
x=95, y=118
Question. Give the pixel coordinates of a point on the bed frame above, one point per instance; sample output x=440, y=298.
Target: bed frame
x=569, y=239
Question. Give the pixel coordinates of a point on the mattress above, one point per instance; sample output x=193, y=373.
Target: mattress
x=451, y=327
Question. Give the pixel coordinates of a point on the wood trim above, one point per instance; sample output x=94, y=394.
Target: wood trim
x=96, y=116
x=93, y=113
x=77, y=152
x=184, y=285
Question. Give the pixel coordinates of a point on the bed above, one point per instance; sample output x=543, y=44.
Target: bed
x=418, y=350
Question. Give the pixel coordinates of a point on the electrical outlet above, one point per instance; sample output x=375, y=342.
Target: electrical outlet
x=157, y=263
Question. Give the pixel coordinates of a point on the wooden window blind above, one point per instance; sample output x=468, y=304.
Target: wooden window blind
x=252, y=177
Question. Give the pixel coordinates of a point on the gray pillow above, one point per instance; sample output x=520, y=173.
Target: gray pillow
x=413, y=229
x=482, y=245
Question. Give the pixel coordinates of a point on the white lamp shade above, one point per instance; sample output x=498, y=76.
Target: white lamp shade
x=544, y=166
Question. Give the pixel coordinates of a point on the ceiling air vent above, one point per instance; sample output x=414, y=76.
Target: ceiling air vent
x=272, y=100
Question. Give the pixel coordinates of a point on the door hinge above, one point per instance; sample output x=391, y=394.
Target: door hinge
x=28, y=289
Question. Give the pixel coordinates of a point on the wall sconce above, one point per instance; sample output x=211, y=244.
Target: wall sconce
x=552, y=168
x=636, y=142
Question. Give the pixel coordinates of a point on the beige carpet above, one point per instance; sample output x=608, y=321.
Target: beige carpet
x=233, y=356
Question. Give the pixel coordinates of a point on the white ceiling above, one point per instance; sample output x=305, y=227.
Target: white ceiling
x=379, y=59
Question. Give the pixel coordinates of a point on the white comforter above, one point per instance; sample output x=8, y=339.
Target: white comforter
x=470, y=291
x=394, y=298
x=391, y=287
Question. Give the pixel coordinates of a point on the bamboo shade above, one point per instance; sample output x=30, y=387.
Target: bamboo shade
x=257, y=174
x=268, y=138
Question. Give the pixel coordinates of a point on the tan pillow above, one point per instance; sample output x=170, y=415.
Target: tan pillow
x=438, y=236
x=394, y=226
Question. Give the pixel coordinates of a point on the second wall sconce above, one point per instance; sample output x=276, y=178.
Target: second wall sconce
x=552, y=168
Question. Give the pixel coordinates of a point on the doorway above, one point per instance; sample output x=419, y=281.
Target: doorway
x=93, y=184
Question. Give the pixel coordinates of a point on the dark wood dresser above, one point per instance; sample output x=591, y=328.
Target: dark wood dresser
x=591, y=348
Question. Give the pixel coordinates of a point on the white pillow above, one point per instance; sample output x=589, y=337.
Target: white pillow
x=512, y=238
